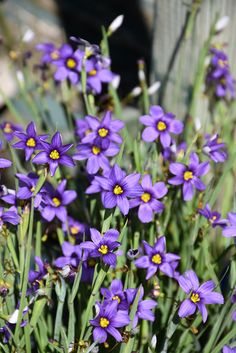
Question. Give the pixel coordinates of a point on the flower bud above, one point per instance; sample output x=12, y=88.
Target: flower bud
x=116, y=23
x=222, y=23
x=154, y=88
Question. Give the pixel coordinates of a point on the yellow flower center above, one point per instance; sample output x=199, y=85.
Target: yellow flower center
x=103, y=249
x=71, y=63
x=31, y=142
x=54, y=154
x=188, y=175
x=74, y=230
x=55, y=55
x=195, y=298
x=56, y=201
x=7, y=128
x=118, y=190
x=96, y=150
x=145, y=197
x=222, y=63
x=102, y=132
x=92, y=72
x=161, y=126
x=156, y=259
x=32, y=189
x=104, y=322
x=116, y=298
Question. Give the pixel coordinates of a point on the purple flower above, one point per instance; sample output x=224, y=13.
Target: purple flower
x=8, y=195
x=11, y=323
x=75, y=228
x=107, y=321
x=82, y=128
x=227, y=349
x=9, y=216
x=68, y=64
x=50, y=52
x=148, y=202
x=160, y=124
x=115, y=293
x=219, y=76
x=27, y=185
x=215, y=148
x=219, y=63
x=54, y=202
x=144, y=306
x=96, y=156
x=230, y=230
x=104, y=131
x=54, y=154
x=189, y=175
x=156, y=259
x=9, y=129
x=72, y=255
x=30, y=142
x=212, y=216
x=5, y=163
x=116, y=188
x=98, y=72
x=103, y=246
x=199, y=296
x=88, y=266
x=40, y=274
x=172, y=152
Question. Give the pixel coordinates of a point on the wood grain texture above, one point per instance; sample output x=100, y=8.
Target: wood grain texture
x=167, y=27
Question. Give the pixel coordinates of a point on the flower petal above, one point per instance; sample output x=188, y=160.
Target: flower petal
x=187, y=308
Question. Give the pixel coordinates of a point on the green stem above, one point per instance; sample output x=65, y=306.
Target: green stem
x=26, y=271
x=75, y=288
x=98, y=282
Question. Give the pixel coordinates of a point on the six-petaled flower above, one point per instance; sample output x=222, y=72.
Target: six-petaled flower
x=199, y=295
x=189, y=175
x=54, y=153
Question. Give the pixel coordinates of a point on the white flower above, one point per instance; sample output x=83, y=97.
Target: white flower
x=20, y=77
x=28, y=35
x=154, y=341
x=116, y=81
x=198, y=124
x=14, y=316
x=116, y=23
x=154, y=88
x=222, y=23
x=136, y=91
x=141, y=75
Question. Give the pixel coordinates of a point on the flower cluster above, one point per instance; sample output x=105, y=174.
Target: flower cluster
x=219, y=75
x=87, y=253
x=99, y=140
x=70, y=63
x=114, y=312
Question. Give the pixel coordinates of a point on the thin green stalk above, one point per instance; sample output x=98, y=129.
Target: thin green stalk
x=217, y=326
x=60, y=289
x=12, y=250
x=75, y=288
x=26, y=271
x=128, y=347
x=224, y=341
x=98, y=282
x=200, y=74
x=38, y=239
